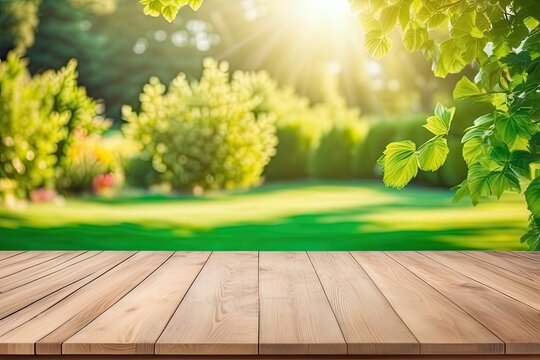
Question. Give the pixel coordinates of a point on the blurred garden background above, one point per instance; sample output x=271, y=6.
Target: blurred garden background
x=247, y=125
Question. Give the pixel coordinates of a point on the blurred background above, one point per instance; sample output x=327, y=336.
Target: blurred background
x=150, y=166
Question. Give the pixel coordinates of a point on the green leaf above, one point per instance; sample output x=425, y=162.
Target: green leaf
x=389, y=16
x=432, y=154
x=515, y=126
x=465, y=88
x=474, y=149
x=478, y=182
x=532, y=236
x=499, y=181
x=450, y=60
x=169, y=12
x=414, y=37
x=462, y=190
x=195, y=4
x=439, y=124
x=400, y=163
x=378, y=43
x=532, y=195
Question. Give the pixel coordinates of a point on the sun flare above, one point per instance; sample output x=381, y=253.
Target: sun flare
x=331, y=11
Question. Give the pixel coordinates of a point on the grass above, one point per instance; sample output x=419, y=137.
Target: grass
x=291, y=216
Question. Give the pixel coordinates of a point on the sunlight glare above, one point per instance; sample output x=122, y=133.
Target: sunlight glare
x=327, y=10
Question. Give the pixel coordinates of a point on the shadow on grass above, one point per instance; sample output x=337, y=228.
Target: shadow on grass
x=313, y=231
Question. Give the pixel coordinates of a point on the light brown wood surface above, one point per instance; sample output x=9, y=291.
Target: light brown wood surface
x=440, y=326
x=523, y=289
x=219, y=314
x=225, y=305
x=134, y=324
x=369, y=324
x=29, y=274
x=520, y=265
x=295, y=315
x=517, y=324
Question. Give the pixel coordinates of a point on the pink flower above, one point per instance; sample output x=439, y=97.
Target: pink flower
x=103, y=182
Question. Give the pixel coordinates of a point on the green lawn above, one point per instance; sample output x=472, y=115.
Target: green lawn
x=293, y=216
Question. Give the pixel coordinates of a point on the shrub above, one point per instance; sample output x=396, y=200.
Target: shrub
x=297, y=127
x=203, y=135
x=368, y=151
x=39, y=117
x=333, y=157
x=139, y=172
x=87, y=159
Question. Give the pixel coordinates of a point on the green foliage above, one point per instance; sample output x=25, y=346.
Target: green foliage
x=203, y=135
x=139, y=172
x=87, y=158
x=298, y=128
x=168, y=8
x=502, y=37
x=333, y=157
x=18, y=21
x=40, y=118
x=401, y=160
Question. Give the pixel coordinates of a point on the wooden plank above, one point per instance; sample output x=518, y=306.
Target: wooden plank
x=21, y=340
x=83, y=306
x=518, y=325
x=133, y=325
x=509, y=261
x=13, y=301
x=31, y=311
x=533, y=255
x=8, y=254
x=37, y=272
x=439, y=325
x=516, y=286
x=368, y=322
x=29, y=263
x=22, y=257
x=219, y=314
x=271, y=357
x=295, y=316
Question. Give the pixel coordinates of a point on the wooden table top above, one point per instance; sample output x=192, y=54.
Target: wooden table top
x=344, y=304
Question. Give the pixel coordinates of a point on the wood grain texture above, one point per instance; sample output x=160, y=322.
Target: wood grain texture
x=133, y=324
x=295, y=316
x=13, y=301
x=6, y=270
x=516, y=286
x=512, y=262
x=7, y=254
x=21, y=340
x=23, y=256
x=31, y=311
x=369, y=324
x=533, y=255
x=271, y=357
x=219, y=314
x=92, y=300
x=147, y=305
x=37, y=272
x=518, y=325
x=439, y=325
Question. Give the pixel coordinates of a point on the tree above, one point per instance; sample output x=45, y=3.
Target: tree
x=502, y=39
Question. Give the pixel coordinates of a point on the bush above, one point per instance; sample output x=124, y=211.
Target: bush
x=203, y=135
x=39, y=117
x=333, y=157
x=368, y=151
x=297, y=128
x=139, y=172
x=87, y=159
